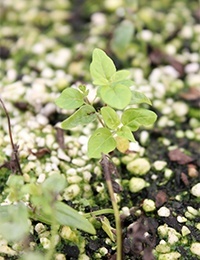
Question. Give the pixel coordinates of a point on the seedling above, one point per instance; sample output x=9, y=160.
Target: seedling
x=113, y=89
x=115, y=94
x=43, y=205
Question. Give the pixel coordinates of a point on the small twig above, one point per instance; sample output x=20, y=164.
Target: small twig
x=14, y=156
x=107, y=167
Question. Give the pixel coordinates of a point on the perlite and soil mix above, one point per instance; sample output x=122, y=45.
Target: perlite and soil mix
x=54, y=200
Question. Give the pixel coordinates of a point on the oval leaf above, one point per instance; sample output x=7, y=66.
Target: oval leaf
x=100, y=142
x=125, y=131
x=84, y=115
x=110, y=117
x=120, y=75
x=70, y=98
x=138, y=98
x=102, y=68
x=118, y=96
x=134, y=117
x=122, y=144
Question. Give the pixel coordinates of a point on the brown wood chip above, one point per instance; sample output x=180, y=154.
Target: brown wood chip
x=179, y=157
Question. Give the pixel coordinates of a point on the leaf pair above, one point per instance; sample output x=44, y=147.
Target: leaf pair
x=72, y=98
x=114, y=85
x=114, y=90
x=103, y=140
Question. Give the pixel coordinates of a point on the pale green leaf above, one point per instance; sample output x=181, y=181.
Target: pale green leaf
x=54, y=184
x=70, y=98
x=138, y=98
x=107, y=228
x=102, y=68
x=65, y=215
x=125, y=82
x=83, y=116
x=122, y=38
x=122, y=143
x=32, y=256
x=134, y=117
x=110, y=117
x=118, y=96
x=83, y=89
x=120, y=75
x=100, y=142
x=14, y=224
x=125, y=131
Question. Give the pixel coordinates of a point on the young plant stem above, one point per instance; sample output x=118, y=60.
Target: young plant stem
x=117, y=220
x=96, y=112
x=107, y=173
x=98, y=212
x=54, y=232
x=15, y=156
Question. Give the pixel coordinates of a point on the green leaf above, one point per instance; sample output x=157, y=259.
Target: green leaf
x=15, y=181
x=100, y=142
x=118, y=96
x=138, y=98
x=65, y=215
x=107, y=228
x=125, y=131
x=15, y=184
x=122, y=38
x=32, y=256
x=102, y=68
x=122, y=143
x=124, y=82
x=83, y=116
x=110, y=117
x=14, y=224
x=54, y=184
x=70, y=98
x=134, y=117
x=84, y=90
x=120, y=75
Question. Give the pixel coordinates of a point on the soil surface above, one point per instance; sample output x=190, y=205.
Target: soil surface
x=46, y=47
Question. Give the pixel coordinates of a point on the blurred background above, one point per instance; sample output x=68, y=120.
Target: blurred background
x=55, y=39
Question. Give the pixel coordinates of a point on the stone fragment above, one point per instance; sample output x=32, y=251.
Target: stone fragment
x=169, y=256
x=139, y=166
x=196, y=190
x=148, y=205
x=195, y=248
x=137, y=184
x=164, y=212
x=159, y=165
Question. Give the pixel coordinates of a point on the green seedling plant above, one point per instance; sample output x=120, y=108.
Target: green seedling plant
x=115, y=94
x=117, y=119
x=43, y=204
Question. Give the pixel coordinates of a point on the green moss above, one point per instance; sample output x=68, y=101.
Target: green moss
x=5, y=173
x=194, y=113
